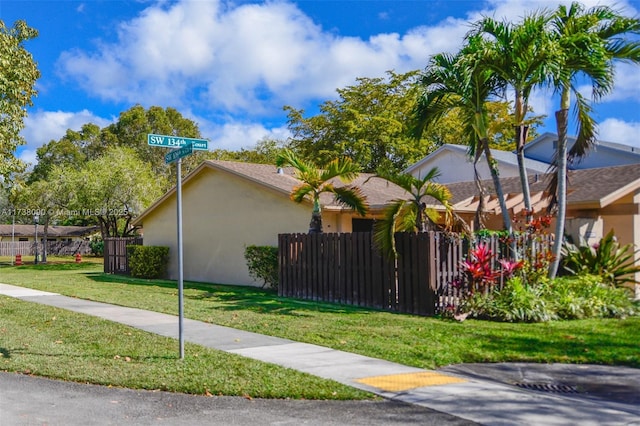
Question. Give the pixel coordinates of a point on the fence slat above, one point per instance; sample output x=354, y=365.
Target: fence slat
x=346, y=268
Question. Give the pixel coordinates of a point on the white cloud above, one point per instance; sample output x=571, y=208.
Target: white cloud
x=251, y=58
x=614, y=130
x=235, y=135
x=627, y=85
x=244, y=61
x=41, y=127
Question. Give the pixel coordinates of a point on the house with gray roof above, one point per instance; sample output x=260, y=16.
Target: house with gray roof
x=455, y=165
x=228, y=205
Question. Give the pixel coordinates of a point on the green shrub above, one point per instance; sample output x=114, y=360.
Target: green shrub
x=564, y=298
x=97, y=247
x=606, y=259
x=262, y=262
x=148, y=261
x=586, y=296
x=515, y=302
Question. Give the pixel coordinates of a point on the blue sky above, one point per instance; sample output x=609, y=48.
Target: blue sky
x=232, y=66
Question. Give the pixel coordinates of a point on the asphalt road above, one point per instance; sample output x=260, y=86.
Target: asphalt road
x=26, y=400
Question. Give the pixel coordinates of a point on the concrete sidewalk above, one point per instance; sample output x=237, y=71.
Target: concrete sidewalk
x=468, y=396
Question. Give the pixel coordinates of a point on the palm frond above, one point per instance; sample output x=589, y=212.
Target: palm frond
x=385, y=228
x=302, y=191
x=343, y=168
x=352, y=197
x=587, y=130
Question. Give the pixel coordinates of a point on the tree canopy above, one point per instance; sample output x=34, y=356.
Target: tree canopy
x=18, y=74
x=110, y=190
x=371, y=123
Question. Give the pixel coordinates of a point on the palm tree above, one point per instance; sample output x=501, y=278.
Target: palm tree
x=412, y=214
x=519, y=55
x=587, y=44
x=460, y=82
x=315, y=181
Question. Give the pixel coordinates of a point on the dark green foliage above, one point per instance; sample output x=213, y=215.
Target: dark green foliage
x=262, y=262
x=97, y=247
x=515, y=302
x=614, y=264
x=565, y=298
x=586, y=296
x=148, y=261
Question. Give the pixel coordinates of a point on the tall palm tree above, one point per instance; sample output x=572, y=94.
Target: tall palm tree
x=412, y=214
x=316, y=181
x=587, y=44
x=519, y=54
x=460, y=82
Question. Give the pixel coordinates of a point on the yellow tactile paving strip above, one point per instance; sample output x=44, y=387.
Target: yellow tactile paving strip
x=403, y=382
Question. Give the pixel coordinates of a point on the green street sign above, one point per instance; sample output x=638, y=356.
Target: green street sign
x=178, y=153
x=176, y=142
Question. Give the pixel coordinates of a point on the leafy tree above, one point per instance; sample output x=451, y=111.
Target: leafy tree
x=460, y=83
x=18, y=74
x=519, y=55
x=135, y=124
x=110, y=190
x=266, y=151
x=41, y=197
x=500, y=131
x=587, y=43
x=72, y=150
x=316, y=181
x=412, y=214
x=368, y=123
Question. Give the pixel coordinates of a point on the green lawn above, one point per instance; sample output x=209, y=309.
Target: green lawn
x=52, y=342
x=417, y=341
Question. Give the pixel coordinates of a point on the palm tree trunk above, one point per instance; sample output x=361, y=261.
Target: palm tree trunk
x=561, y=193
x=315, y=226
x=478, y=220
x=521, y=136
x=506, y=220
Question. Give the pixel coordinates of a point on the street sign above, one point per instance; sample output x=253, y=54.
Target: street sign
x=178, y=153
x=176, y=142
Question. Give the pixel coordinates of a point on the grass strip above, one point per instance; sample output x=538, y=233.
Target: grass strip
x=53, y=342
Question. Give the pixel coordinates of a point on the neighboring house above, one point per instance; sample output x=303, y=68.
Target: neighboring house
x=604, y=154
x=54, y=232
x=455, y=165
x=227, y=206
x=598, y=200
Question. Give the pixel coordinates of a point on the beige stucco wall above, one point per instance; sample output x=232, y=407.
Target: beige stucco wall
x=222, y=214
x=585, y=229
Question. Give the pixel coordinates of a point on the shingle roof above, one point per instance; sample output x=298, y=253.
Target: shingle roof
x=586, y=188
x=379, y=192
x=52, y=231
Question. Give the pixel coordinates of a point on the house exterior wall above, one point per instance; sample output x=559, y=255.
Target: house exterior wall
x=604, y=155
x=222, y=214
x=457, y=167
x=587, y=229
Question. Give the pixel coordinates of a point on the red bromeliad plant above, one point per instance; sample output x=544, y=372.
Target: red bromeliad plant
x=479, y=269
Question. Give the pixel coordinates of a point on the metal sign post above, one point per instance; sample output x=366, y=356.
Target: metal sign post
x=180, y=258
x=185, y=147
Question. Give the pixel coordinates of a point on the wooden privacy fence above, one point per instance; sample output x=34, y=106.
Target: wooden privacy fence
x=54, y=248
x=115, y=254
x=426, y=278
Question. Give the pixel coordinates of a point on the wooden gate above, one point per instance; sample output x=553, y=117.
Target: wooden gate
x=115, y=254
